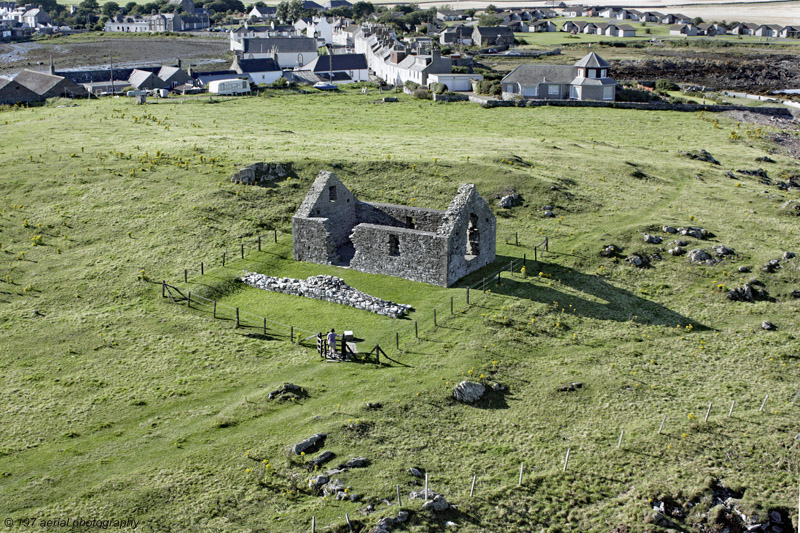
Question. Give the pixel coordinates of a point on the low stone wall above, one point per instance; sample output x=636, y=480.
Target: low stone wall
x=262, y=173
x=450, y=98
x=490, y=102
x=328, y=288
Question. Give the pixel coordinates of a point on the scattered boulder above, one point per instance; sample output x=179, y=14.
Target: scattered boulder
x=317, y=482
x=676, y=251
x=722, y=251
x=571, y=387
x=416, y=472
x=750, y=292
x=548, y=214
x=374, y=405
x=731, y=175
x=638, y=260
x=333, y=487
x=669, y=229
x=437, y=504
x=700, y=155
x=652, y=239
x=788, y=255
x=768, y=326
x=311, y=444
x=512, y=200
x=262, y=174
x=795, y=294
x=680, y=242
x=468, y=392
x=793, y=206
x=611, y=250
x=356, y=462
x=496, y=387
x=547, y=208
x=745, y=269
x=760, y=173
x=323, y=458
x=772, y=266
x=287, y=390
x=697, y=233
x=700, y=256
x=386, y=524
x=764, y=159
x=390, y=99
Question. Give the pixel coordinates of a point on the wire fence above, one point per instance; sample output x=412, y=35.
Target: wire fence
x=398, y=337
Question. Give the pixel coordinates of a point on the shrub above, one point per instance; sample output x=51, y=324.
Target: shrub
x=411, y=85
x=663, y=85
x=280, y=83
x=490, y=87
x=437, y=88
x=422, y=94
x=460, y=70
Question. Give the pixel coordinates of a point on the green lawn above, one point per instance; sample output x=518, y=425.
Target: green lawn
x=118, y=403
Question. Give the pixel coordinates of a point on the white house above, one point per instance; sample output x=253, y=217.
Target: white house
x=337, y=68
x=289, y=52
x=258, y=71
x=455, y=82
x=321, y=28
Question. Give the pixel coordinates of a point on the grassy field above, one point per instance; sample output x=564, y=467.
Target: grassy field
x=121, y=404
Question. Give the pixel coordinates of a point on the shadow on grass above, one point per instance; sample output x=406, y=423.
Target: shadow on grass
x=615, y=304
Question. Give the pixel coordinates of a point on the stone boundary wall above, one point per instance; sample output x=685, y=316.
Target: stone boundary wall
x=450, y=98
x=649, y=106
x=328, y=288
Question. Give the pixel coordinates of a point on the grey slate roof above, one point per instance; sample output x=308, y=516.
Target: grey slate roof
x=256, y=65
x=486, y=31
x=138, y=77
x=337, y=62
x=528, y=75
x=281, y=44
x=592, y=60
x=45, y=84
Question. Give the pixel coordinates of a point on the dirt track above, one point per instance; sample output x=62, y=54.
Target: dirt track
x=126, y=52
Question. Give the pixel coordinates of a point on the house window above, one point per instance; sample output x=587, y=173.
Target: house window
x=410, y=223
x=592, y=73
x=473, y=237
x=552, y=90
x=608, y=93
x=573, y=92
x=394, y=245
x=300, y=59
x=332, y=193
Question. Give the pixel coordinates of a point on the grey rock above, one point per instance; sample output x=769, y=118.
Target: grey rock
x=332, y=487
x=420, y=495
x=768, y=326
x=668, y=229
x=356, y=462
x=285, y=388
x=402, y=516
x=795, y=294
x=610, y=250
x=696, y=232
x=324, y=457
x=772, y=266
x=652, y=239
x=676, y=251
x=548, y=214
x=498, y=387
x=468, y=392
x=262, y=174
x=317, y=482
x=722, y=251
x=416, y=472
x=700, y=256
x=437, y=504
x=390, y=99
x=511, y=200
x=745, y=269
x=750, y=292
x=700, y=155
x=788, y=255
x=548, y=208
x=638, y=260
x=312, y=443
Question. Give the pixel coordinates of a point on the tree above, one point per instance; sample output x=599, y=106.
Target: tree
x=697, y=20
x=260, y=4
x=130, y=6
x=471, y=12
x=90, y=6
x=282, y=11
x=362, y=10
x=488, y=20
x=110, y=9
x=490, y=9
x=295, y=10
x=404, y=8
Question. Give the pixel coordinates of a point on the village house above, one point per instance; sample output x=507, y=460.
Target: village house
x=492, y=36
x=338, y=69
x=49, y=85
x=12, y=92
x=173, y=76
x=542, y=26
x=458, y=35
x=145, y=80
x=289, y=52
x=432, y=246
x=262, y=14
x=789, y=32
x=258, y=71
x=344, y=35
x=687, y=30
x=585, y=80
x=768, y=30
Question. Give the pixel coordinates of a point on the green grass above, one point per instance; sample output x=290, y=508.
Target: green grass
x=117, y=401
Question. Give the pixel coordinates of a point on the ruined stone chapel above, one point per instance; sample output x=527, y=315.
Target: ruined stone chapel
x=429, y=245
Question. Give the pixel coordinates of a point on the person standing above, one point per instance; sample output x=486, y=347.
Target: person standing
x=332, y=342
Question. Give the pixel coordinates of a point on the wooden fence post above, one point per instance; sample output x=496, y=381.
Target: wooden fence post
x=484, y=284
x=347, y=519
x=223, y=258
x=164, y=289
x=708, y=411
x=547, y=244
x=313, y=524
x=416, y=330
x=521, y=467
x=259, y=243
x=291, y=332
x=275, y=235
x=472, y=487
x=619, y=442
x=516, y=239
x=535, y=253
x=189, y=299
x=185, y=275
x=451, y=305
x=467, y=295
x=215, y=309
x=397, y=339
x=763, y=403
x=662, y=424
x=237, y=317
x=242, y=250
x=730, y=411
x=524, y=261
x=399, y=500
x=566, y=460
x=434, y=318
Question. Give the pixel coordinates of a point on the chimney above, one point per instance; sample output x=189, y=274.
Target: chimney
x=179, y=62
x=52, y=67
